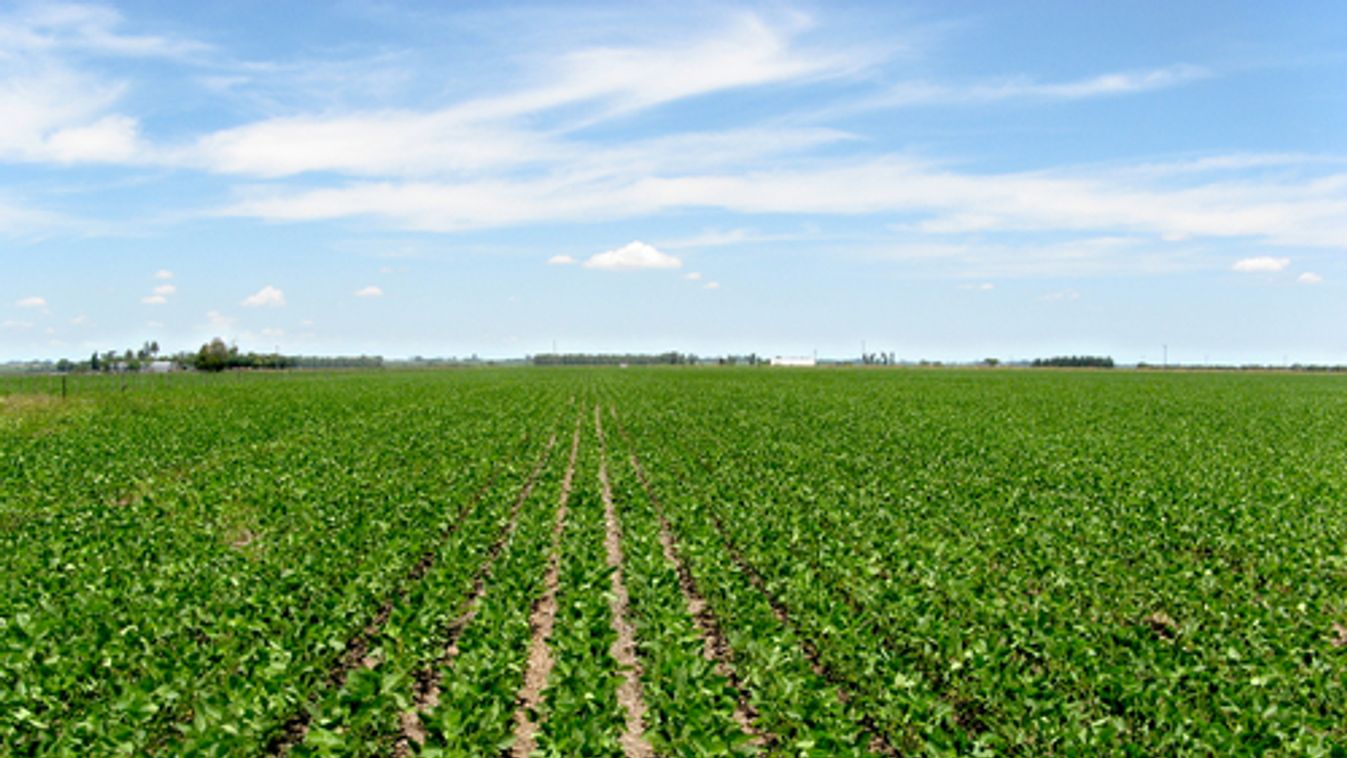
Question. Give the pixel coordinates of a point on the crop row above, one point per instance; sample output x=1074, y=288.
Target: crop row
x=1002, y=572
x=222, y=599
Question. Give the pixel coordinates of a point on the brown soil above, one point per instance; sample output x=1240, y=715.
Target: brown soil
x=427, y=689
x=541, y=621
x=714, y=646
x=629, y=696
x=1339, y=635
x=357, y=648
x=878, y=742
x=1162, y=625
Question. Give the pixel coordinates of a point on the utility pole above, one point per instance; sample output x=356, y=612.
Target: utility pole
x=862, y=351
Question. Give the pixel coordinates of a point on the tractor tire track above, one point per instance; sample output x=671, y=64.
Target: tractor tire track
x=634, y=742
x=715, y=648
x=541, y=621
x=357, y=648
x=427, y=690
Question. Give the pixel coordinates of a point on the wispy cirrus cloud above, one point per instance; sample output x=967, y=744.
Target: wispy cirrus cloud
x=58, y=106
x=1278, y=210
x=84, y=28
x=911, y=94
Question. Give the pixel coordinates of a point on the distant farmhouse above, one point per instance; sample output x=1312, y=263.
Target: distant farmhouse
x=794, y=360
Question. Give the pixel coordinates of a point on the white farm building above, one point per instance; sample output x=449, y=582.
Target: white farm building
x=793, y=360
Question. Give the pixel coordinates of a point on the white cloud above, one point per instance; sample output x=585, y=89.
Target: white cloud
x=693, y=276
x=631, y=256
x=1309, y=277
x=32, y=301
x=218, y=320
x=45, y=28
x=165, y=289
x=1276, y=209
x=15, y=325
x=267, y=297
x=1261, y=264
x=711, y=285
x=560, y=260
x=163, y=274
x=370, y=291
x=584, y=86
x=980, y=287
x=111, y=139
x=911, y=94
x=1058, y=297
x=154, y=300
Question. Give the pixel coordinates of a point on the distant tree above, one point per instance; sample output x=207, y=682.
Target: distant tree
x=215, y=356
x=1074, y=361
x=94, y=364
x=991, y=361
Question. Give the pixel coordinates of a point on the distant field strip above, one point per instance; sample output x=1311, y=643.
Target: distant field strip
x=675, y=562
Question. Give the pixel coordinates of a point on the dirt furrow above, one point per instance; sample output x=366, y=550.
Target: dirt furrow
x=623, y=651
x=714, y=646
x=427, y=691
x=356, y=653
x=541, y=621
x=879, y=743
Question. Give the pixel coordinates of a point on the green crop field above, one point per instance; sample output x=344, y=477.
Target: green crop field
x=674, y=562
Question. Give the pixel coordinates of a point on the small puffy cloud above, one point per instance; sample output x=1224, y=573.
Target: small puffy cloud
x=632, y=256
x=693, y=276
x=163, y=274
x=1309, y=277
x=979, y=287
x=154, y=300
x=712, y=285
x=1261, y=264
x=560, y=260
x=219, y=321
x=165, y=289
x=370, y=291
x=267, y=297
x=31, y=302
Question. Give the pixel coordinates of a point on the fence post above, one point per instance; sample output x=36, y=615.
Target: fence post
x=63, y=386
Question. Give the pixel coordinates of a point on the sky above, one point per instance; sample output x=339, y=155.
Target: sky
x=940, y=180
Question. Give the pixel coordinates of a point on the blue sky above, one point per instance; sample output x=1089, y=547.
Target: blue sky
x=940, y=180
